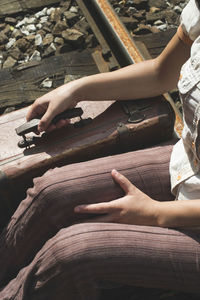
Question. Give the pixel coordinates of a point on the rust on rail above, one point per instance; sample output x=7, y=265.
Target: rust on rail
x=120, y=30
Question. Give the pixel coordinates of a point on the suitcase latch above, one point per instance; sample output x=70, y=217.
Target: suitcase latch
x=134, y=111
x=31, y=126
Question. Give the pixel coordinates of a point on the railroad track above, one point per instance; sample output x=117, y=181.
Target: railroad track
x=118, y=48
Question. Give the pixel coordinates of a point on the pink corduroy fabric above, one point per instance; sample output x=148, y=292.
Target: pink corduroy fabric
x=57, y=259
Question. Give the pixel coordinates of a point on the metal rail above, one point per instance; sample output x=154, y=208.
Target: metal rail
x=108, y=27
x=116, y=40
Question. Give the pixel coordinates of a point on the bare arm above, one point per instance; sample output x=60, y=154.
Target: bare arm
x=181, y=213
x=145, y=79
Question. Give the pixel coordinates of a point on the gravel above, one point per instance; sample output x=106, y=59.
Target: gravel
x=59, y=29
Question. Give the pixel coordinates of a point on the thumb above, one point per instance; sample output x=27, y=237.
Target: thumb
x=124, y=183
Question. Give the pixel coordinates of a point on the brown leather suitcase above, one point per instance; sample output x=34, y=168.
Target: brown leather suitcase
x=115, y=127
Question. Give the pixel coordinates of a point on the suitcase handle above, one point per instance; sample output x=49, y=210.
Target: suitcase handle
x=32, y=125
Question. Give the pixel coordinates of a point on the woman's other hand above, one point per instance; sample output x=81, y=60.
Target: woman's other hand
x=134, y=208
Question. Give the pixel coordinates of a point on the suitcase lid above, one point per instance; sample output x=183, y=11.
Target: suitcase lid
x=53, y=146
x=9, y=150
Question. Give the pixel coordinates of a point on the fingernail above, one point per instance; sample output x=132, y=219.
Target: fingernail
x=114, y=171
x=77, y=209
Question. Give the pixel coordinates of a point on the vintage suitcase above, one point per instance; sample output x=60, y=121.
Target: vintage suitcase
x=115, y=127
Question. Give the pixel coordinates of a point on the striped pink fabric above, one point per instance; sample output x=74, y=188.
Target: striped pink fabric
x=59, y=260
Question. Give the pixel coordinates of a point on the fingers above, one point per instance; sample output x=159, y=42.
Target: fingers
x=99, y=208
x=42, y=107
x=58, y=125
x=125, y=184
x=105, y=212
x=32, y=113
x=62, y=123
x=46, y=119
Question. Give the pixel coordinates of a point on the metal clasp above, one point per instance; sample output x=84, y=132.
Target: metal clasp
x=134, y=111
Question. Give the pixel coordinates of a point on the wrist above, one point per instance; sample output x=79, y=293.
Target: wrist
x=159, y=215
x=154, y=214
x=72, y=91
x=166, y=214
x=79, y=89
x=150, y=215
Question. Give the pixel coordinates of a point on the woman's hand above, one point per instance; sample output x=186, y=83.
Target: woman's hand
x=134, y=208
x=53, y=103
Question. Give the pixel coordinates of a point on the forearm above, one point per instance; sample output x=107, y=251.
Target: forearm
x=182, y=213
x=145, y=79
x=136, y=81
